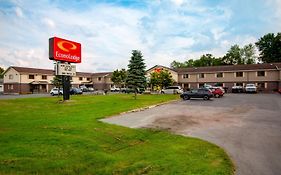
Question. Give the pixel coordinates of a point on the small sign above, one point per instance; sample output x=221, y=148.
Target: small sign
x=65, y=69
x=64, y=50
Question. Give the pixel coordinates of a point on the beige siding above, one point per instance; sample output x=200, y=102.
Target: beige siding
x=269, y=76
x=37, y=77
x=11, y=73
x=173, y=73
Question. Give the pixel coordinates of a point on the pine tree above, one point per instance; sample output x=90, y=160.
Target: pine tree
x=136, y=72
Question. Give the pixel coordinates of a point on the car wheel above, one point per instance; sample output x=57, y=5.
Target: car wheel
x=206, y=97
x=52, y=94
x=162, y=92
x=186, y=97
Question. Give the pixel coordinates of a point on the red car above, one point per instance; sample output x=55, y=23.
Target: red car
x=217, y=92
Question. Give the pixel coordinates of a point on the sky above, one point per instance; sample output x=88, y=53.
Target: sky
x=163, y=30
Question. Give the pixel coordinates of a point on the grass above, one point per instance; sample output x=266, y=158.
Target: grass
x=42, y=136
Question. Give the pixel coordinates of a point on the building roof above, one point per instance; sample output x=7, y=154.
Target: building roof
x=33, y=70
x=45, y=71
x=161, y=66
x=84, y=74
x=228, y=68
x=102, y=74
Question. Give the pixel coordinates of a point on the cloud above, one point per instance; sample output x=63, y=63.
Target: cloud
x=108, y=32
x=19, y=12
x=49, y=23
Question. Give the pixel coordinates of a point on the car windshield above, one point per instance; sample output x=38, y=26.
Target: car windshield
x=250, y=85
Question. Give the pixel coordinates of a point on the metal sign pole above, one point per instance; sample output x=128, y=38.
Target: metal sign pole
x=66, y=87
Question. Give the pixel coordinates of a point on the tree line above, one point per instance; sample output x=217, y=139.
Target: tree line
x=269, y=47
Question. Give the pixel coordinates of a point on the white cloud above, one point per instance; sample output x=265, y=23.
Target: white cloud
x=108, y=33
x=49, y=23
x=177, y=2
x=19, y=12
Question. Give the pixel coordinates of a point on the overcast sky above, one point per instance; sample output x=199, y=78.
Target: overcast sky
x=164, y=30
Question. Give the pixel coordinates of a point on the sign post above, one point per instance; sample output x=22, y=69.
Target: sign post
x=65, y=52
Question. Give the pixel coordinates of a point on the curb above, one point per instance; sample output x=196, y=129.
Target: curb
x=148, y=107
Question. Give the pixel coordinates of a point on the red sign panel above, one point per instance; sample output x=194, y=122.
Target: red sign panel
x=64, y=50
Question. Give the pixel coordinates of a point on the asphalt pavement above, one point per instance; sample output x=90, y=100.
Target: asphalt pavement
x=247, y=126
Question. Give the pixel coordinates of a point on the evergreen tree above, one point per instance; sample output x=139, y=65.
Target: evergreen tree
x=136, y=72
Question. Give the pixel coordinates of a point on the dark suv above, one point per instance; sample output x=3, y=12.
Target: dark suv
x=204, y=93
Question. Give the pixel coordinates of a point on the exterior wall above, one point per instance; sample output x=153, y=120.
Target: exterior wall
x=76, y=80
x=24, y=78
x=14, y=90
x=173, y=73
x=269, y=76
x=15, y=76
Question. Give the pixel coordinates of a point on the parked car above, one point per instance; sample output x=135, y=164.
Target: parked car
x=91, y=89
x=218, y=92
x=131, y=90
x=204, y=93
x=56, y=91
x=84, y=88
x=114, y=89
x=237, y=89
x=74, y=91
x=172, y=90
x=251, y=88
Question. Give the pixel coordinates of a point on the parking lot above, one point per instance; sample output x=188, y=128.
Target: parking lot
x=247, y=126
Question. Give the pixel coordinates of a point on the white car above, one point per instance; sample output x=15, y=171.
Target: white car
x=172, y=90
x=251, y=88
x=55, y=91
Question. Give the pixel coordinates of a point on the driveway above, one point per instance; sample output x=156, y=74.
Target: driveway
x=247, y=126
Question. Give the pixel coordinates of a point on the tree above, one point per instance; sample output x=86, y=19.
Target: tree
x=270, y=48
x=136, y=72
x=248, y=54
x=119, y=77
x=233, y=56
x=161, y=79
x=1, y=72
x=57, y=82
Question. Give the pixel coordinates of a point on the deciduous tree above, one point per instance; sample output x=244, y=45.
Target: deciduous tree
x=270, y=48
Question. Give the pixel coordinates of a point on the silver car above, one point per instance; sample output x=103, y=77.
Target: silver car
x=172, y=90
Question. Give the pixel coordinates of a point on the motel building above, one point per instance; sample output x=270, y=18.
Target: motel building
x=267, y=77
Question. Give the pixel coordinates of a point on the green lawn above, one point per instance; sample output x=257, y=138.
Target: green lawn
x=42, y=136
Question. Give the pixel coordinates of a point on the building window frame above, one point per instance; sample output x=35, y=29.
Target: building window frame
x=80, y=78
x=88, y=79
x=219, y=75
x=238, y=74
x=31, y=76
x=99, y=78
x=201, y=75
x=10, y=86
x=261, y=73
x=44, y=77
x=11, y=76
x=185, y=76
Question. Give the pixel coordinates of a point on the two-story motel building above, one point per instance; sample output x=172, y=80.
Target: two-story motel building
x=267, y=77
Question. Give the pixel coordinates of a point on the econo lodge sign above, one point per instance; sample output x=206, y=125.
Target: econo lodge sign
x=64, y=50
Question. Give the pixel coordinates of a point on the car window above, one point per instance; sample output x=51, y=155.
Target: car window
x=194, y=91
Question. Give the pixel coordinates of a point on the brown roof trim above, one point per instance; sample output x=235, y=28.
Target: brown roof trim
x=102, y=74
x=161, y=66
x=32, y=70
x=229, y=68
